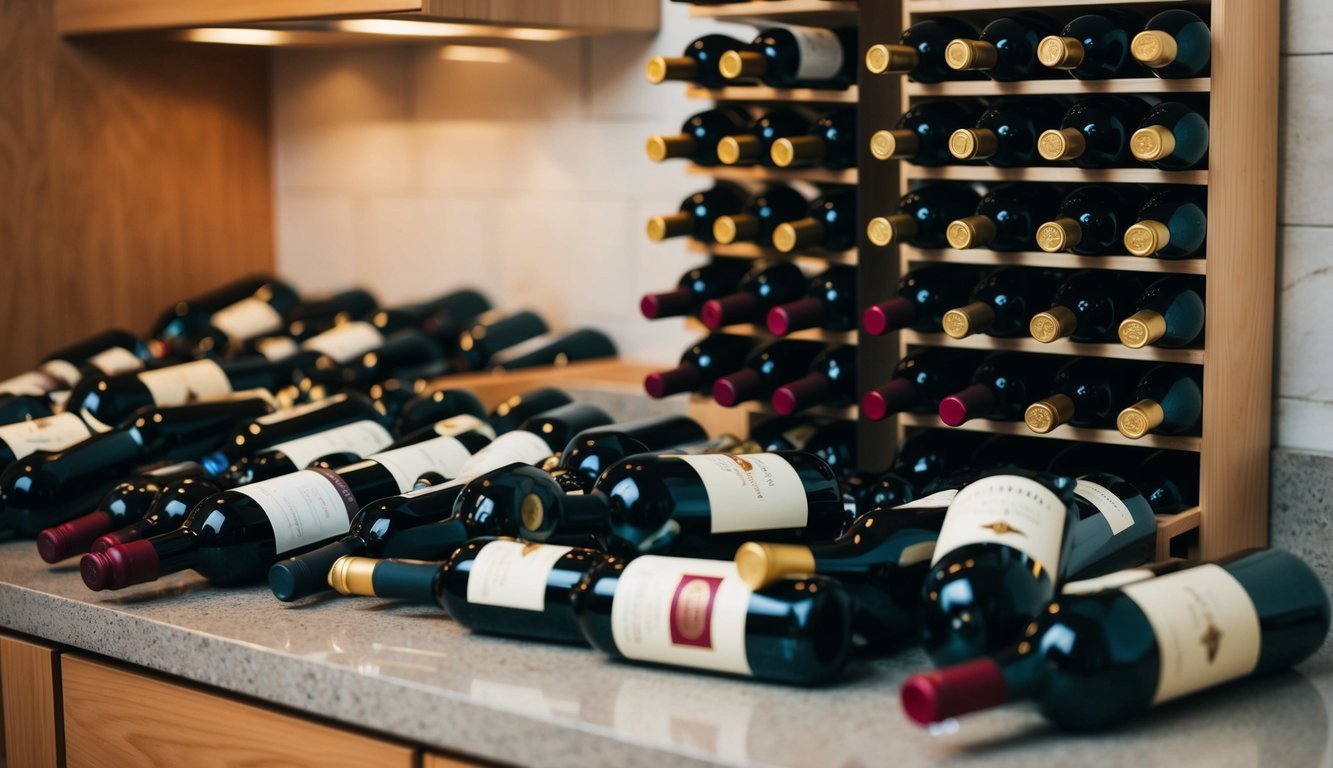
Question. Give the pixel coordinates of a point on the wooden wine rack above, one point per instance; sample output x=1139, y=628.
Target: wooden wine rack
x=1238, y=270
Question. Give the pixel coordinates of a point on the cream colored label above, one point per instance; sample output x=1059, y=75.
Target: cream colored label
x=346, y=342
x=360, y=438
x=1109, y=581
x=53, y=433
x=934, y=500
x=821, y=53
x=1111, y=506
x=187, y=382
x=115, y=360
x=457, y=425
x=280, y=416
x=1009, y=510
x=507, y=355
x=690, y=613
x=512, y=574
x=517, y=447
x=30, y=383
x=751, y=492
x=1206, y=627
x=442, y=454
x=303, y=508
x=247, y=319
x=61, y=371
x=276, y=348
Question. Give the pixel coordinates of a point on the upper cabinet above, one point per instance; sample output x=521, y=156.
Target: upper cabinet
x=298, y=22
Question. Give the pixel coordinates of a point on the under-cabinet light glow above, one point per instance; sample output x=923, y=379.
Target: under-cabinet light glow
x=406, y=28
x=475, y=53
x=236, y=36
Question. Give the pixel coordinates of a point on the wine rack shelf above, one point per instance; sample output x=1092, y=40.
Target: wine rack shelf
x=818, y=12
x=1061, y=87
x=1238, y=272
x=912, y=255
x=764, y=174
x=752, y=251
x=750, y=329
x=762, y=95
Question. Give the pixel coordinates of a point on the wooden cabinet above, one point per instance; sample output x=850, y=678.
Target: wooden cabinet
x=28, y=682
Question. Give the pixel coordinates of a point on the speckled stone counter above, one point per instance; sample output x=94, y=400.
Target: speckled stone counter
x=411, y=673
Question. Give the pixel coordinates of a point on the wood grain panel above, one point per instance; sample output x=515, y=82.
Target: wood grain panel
x=79, y=16
x=430, y=760
x=132, y=172
x=28, y=673
x=623, y=15
x=114, y=717
x=597, y=375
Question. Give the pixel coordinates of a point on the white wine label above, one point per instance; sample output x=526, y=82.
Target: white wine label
x=457, y=425
x=934, y=500
x=675, y=610
x=276, y=348
x=517, y=447
x=304, y=507
x=1009, y=510
x=1109, y=581
x=1206, y=627
x=502, y=358
x=443, y=454
x=361, y=438
x=513, y=574
x=66, y=373
x=821, y=53
x=115, y=360
x=247, y=319
x=53, y=433
x=1110, y=505
x=34, y=383
x=346, y=342
x=751, y=492
x=180, y=384
x=290, y=413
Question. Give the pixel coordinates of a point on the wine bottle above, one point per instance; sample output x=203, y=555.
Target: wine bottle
x=1006, y=133
x=921, y=136
x=558, y=426
x=166, y=512
x=653, y=503
x=1095, y=132
x=882, y=491
x=47, y=489
x=1090, y=220
x=933, y=453
x=103, y=354
x=1116, y=528
x=184, y=318
x=829, y=303
x=711, y=358
x=833, y=440
x=881, y=561
x=830, y=142
x=715, y=279
x=1170, y=313
x=1094, y=46
x=1006, y=50
x=593, y=450
x=698, y=64
x=697, y=214
x=510, y=414
x=920, y=380
x=1172, y=224
x=419, y=524
x=920, y=54
x=996, y=563
x=572, y=347
x=1167, y=401
x=829, y=224
x=313, y=316
x=1174, y=43
x=764, y=371
x=18, y=408
x=492, y=333
x=126, y=503
x=754, y=145
x=229, y=329
x=1088, y=307
x=923, y=215
x=498, y=586
x=1085, y=392
x=924, y=295
x=831, y=381
x=1172, y=137
x=795, y=57
x=1003, y=303
x=49, y=433
x=1121, y=651
x=106, y=401
x=235, y=536
x=1169, y=480
x=698, y=137
x=265, y=432
x=450, y=427
x=353, y=439
x=1002, y=387
x=1126, y=577
x=447, y=318
x=1007, y=218
x=427, y=408
x=761, y=215
x=765, y=286
x=699, y=614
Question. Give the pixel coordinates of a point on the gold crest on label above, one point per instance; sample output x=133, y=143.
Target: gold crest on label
x=1212, y=641
x=1002, y=528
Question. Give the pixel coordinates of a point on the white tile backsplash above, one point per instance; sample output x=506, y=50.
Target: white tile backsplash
x=411, y=170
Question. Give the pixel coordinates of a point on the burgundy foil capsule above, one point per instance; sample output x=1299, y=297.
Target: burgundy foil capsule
x=895, y=397
x=888, y=316
x=73, y=537
x=796, y=316
x=737, y=388
x=973, y=402
x=803, y=393
x=730, y=310
x=934, y=696
x=684, y=378
x=675, y=303
x=120, y=566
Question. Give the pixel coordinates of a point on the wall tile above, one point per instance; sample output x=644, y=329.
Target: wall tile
x=1306, y=153
x=539, y=81
x=1305, y=283
x=422, y=247
x=1307, y=26
x=316, y=242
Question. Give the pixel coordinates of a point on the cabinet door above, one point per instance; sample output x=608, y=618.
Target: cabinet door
x=129, y=719
x=28, y=674
x=114, y=15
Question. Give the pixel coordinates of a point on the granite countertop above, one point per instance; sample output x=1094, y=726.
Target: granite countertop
x=411, y=673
